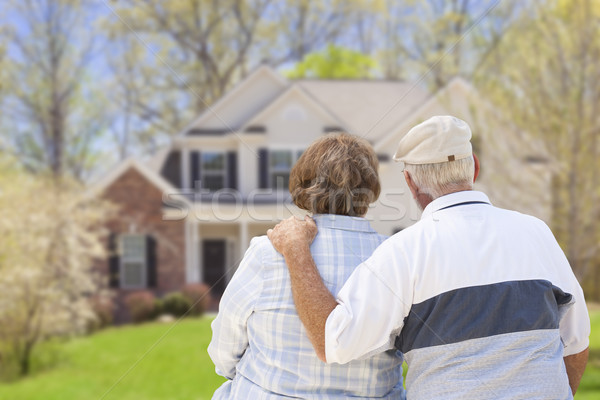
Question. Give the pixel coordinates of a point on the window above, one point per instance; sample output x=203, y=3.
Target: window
x=133, y=261
x=280, y=164
x=213, y=171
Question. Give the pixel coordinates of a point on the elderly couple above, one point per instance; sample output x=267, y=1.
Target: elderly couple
x=479, y=301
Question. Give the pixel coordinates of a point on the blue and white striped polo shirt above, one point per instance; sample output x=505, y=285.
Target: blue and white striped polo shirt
x=481, y=300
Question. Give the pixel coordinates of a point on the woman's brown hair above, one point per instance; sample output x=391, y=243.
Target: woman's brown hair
x=337, y=174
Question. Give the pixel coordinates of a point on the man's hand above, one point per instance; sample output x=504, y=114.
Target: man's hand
x=292, y=233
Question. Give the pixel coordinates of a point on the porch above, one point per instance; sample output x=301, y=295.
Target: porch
x=215, y=249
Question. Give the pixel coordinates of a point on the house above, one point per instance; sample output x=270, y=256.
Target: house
x=189, y=215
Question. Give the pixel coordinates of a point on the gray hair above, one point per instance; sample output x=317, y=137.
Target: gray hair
x=439, y=179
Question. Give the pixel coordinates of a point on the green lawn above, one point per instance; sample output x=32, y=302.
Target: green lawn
x=590, y=384
x=177, y=367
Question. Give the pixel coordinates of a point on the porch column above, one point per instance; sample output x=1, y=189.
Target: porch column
x=243, y=238
x=188, y=249
x=192, y=268
x=185, y=169
x=197, y=261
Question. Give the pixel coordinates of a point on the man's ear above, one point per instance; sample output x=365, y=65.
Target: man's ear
x=411, y=185
x=477, y=166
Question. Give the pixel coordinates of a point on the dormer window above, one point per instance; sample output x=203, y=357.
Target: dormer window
x=213, y=171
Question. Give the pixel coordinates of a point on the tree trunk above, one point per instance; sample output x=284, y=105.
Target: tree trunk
x=25, y=359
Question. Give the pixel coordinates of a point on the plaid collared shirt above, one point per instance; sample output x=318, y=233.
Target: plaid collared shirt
x=259, y=343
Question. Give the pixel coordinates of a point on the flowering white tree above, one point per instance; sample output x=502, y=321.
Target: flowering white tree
x=51, y=234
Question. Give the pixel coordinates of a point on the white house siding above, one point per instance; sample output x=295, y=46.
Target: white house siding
x=395, y=208
x=244, y=101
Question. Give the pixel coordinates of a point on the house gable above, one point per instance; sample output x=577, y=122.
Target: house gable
x=369, y=108
x=451, y=99
x=133, y=187
x=294, y=118
x=153, y=178
x=461, y=99
x=239, y=104
x=500, y=148
x=139, y=213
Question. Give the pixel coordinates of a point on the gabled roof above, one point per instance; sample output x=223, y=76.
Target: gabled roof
x=295, y=90
x=403, y=126
x=369, y=108
x=155, y=161
x=456, y=84
x=115, y=173
x=219, y=109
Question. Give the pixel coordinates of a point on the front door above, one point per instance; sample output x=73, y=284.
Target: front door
x=213, y=263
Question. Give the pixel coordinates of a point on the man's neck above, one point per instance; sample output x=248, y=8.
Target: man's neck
x=423, y=200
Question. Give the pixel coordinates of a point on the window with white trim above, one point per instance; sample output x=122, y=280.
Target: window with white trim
x=213, y=170
x=133, y=261
x=280, y=165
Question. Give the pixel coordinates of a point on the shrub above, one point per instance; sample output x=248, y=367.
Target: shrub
x=103, y=308
x=198, y=294
x=141, y=305
x=176, y=304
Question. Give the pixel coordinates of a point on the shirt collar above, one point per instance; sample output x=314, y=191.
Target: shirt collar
x=454, y=199
x=343, y=222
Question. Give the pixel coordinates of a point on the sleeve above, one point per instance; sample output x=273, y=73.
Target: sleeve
x=574, y=324
x=371, y=309
x=230, y=337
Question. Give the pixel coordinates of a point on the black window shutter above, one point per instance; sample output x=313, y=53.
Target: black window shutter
x=263, y=168
x=113, y=260
x=151, y=261
x=171, y=169
x=232, y=173
x=195, y=169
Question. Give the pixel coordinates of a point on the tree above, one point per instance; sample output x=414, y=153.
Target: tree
x=54, y=114
x=300, y=27
x=51, y=235
x=172, y=60
x=545, y=78
x=334, y=62
x=439, y=39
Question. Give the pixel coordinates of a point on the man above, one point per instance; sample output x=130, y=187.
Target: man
x=481, y=300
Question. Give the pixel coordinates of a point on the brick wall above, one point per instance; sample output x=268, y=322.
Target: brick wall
x=140, y=206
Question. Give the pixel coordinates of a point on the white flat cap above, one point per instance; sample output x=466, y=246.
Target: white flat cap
x=439, y=139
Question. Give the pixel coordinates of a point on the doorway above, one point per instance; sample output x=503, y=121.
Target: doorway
x=213, y=262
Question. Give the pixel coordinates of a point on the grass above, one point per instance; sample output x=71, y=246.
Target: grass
x=590, y=384
x=177, y=367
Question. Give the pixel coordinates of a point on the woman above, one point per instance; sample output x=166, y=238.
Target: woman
x=258, y=342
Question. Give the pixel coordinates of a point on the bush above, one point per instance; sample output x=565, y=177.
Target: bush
x=198, y=294
x=176, y=304
x=103, y=307
x=141, y=305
